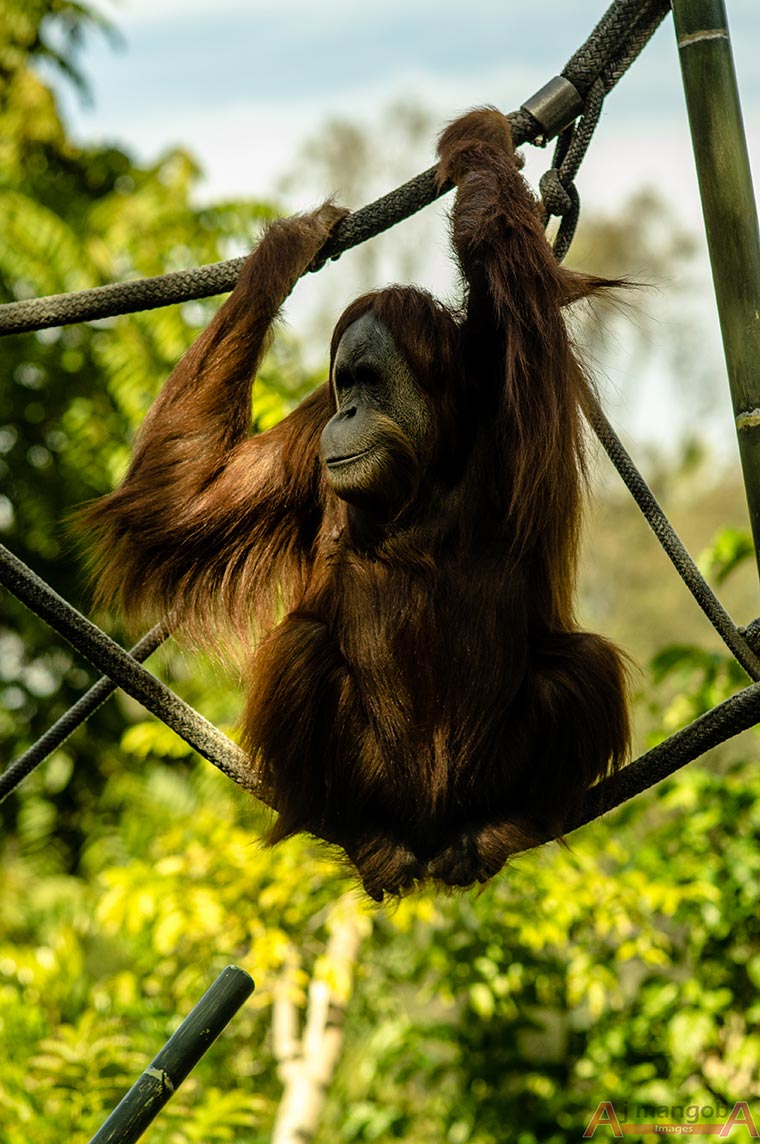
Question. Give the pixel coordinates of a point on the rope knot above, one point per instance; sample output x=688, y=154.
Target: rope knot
x=554, y=195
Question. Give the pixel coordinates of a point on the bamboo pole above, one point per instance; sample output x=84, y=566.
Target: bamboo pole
x=728, y=204
x=181, y=1053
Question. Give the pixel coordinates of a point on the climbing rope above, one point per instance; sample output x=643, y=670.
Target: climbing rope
x=84, y=707
x=105, y=654
x=622, y=33
x=568, y=107
x=674, y=547
x=607, y=53
x=716, y=726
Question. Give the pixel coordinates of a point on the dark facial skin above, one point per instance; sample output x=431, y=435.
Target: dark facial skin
x=381, y=428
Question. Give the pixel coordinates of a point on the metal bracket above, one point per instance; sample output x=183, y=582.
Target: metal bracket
x=555, y=106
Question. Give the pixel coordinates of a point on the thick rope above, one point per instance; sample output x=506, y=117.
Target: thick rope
x=558, y=191
x=724, y=721
x=615, y=42
x=716, y=726
x=737, y=641
x=607, y=49
x=84, y=707
x=672, y=543
x=205, y=281
x=620, y=36
x=105, y=654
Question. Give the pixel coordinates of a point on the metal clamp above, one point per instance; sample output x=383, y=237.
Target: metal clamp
x=555, y=106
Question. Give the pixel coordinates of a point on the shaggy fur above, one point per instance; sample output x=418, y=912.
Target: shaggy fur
x=427, y=702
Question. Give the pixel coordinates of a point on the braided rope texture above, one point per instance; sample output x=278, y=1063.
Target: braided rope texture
x=707, y=731
x=616, y=41
x=77, y=714
x=673, y=545
x=105, y=654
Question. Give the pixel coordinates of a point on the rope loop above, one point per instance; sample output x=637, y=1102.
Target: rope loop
x=595, y=68
x=556, y=198
x=559, y=195
x=566, y=232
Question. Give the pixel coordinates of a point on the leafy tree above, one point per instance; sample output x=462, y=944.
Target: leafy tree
x=622, y=967
x=74, y=217
x=96, y=969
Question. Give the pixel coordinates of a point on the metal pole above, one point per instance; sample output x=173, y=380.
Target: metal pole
x=728, y=204
x=180, y=1054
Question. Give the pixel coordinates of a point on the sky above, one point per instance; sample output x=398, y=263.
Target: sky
x=243, y=83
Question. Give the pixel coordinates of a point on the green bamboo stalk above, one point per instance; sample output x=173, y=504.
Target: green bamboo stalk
x=730, y=213
x=180, y=1054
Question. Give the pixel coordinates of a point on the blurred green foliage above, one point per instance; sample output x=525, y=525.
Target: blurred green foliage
x=622, y=967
